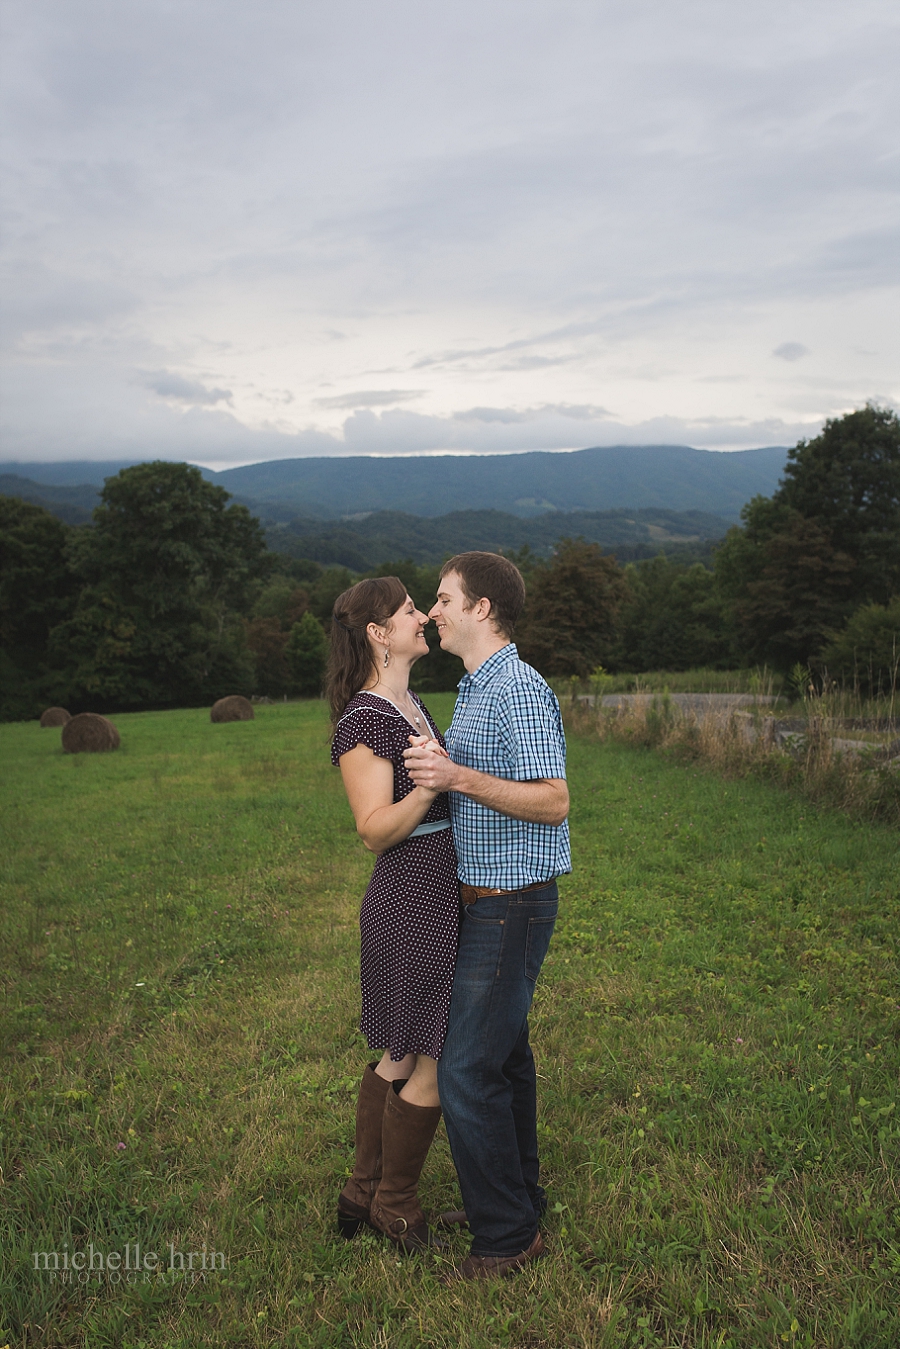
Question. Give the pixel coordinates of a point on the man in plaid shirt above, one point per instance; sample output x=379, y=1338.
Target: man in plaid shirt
x=508, y=803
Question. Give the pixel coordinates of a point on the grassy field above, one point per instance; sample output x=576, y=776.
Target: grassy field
x=716, y=1031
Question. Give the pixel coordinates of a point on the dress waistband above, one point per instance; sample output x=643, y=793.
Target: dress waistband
x=431, y=828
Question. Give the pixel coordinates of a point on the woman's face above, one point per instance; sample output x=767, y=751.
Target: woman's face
x=406, y=632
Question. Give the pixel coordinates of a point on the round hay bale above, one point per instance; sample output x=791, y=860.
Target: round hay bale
x=89, y=733
x=234, y=708
x=55, y=716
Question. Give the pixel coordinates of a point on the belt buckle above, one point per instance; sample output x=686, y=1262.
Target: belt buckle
x=470, y=893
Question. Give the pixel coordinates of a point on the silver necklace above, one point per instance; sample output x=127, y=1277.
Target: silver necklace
x=415, y=719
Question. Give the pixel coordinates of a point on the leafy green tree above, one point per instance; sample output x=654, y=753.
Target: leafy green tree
x=671, y=619
x=37, y=591
x=826, y=542
x=281, y=604
x=848, y=480
x=168, y=571
x=867, y=652
x=266, y=642
x=283, y=599
x=306, y=652
x=324, y=590
x=571, y=611
x=783, y=585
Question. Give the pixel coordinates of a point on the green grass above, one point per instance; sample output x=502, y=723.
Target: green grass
x=716, y=1030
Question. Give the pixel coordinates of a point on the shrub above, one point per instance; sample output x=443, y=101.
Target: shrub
x=868, y=650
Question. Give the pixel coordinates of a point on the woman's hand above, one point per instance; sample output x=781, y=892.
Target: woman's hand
x=429, y=743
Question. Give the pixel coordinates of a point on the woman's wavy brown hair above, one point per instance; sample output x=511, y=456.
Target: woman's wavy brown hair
x=350, y=661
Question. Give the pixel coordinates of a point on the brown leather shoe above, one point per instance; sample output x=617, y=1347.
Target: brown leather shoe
x=495, y=1266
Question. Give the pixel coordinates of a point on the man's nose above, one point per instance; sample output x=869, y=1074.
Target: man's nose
x=433, y=613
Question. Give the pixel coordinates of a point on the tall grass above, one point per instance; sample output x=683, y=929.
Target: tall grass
x=761, y=680
x=825, y=758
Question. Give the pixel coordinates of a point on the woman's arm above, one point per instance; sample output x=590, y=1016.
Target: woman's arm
x=381, y=822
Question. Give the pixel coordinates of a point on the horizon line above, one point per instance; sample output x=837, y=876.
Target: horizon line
x=225, y=465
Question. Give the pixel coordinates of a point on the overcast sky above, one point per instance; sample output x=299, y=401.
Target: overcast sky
x=239, y=231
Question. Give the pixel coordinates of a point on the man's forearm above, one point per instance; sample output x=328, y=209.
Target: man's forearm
x=544, y=801
x=539, y=801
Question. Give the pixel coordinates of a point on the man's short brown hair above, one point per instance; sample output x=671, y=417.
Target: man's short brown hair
x=492, y=577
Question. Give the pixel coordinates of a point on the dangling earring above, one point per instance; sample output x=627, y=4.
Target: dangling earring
x=387, y=656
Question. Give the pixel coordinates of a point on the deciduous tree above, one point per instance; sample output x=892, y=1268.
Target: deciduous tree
x=671, y=619
x=848, y=480
x=37, y=591
x=305, y=653
x=168, y=570
x=784, y=586
x=571, y=610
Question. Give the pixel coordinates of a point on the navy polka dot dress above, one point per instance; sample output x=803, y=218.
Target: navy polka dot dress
x=410, y=913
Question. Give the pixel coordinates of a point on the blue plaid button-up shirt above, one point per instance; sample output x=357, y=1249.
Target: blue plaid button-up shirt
x=507, y=723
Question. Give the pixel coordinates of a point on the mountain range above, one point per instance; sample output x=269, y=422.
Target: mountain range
x=631, y=477
x=361, y=511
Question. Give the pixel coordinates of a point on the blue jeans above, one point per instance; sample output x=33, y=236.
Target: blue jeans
x=486, y=1073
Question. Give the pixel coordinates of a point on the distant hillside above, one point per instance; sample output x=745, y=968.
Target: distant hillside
x=371, y=538
x=631, y=477
x=634, y=477
x=391, y=535
x=67, y=472
x=73, y=505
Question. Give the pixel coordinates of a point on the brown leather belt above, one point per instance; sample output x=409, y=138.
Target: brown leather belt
x=469, y=893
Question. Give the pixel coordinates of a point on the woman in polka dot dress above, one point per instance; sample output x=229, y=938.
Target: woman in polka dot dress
x=410, y=912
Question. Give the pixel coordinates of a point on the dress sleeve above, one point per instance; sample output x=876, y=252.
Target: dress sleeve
x=362, y=725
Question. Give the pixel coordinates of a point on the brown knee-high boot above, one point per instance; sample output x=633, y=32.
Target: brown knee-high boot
x=356, y=1197
x=406, y=1134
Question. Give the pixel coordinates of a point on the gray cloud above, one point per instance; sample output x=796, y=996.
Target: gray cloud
x=86, y=421
x=368, y=398
x=791, y=351
x=169, y=385
x=545, y=205
x=512, y=416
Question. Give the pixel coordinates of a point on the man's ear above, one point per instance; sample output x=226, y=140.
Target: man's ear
x=483, y=609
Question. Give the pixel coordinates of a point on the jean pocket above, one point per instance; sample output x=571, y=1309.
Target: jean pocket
x=482, y=943
x=540, y=930
x=487, y=910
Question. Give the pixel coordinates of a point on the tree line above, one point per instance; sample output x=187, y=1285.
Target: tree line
x=172, y=598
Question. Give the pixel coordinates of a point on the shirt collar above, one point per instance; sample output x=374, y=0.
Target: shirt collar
x=489, y=667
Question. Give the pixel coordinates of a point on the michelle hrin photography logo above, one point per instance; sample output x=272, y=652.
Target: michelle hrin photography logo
x=133, y=1263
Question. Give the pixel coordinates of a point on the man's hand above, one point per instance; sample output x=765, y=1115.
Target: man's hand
x=429, y=765
x=541, y=801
